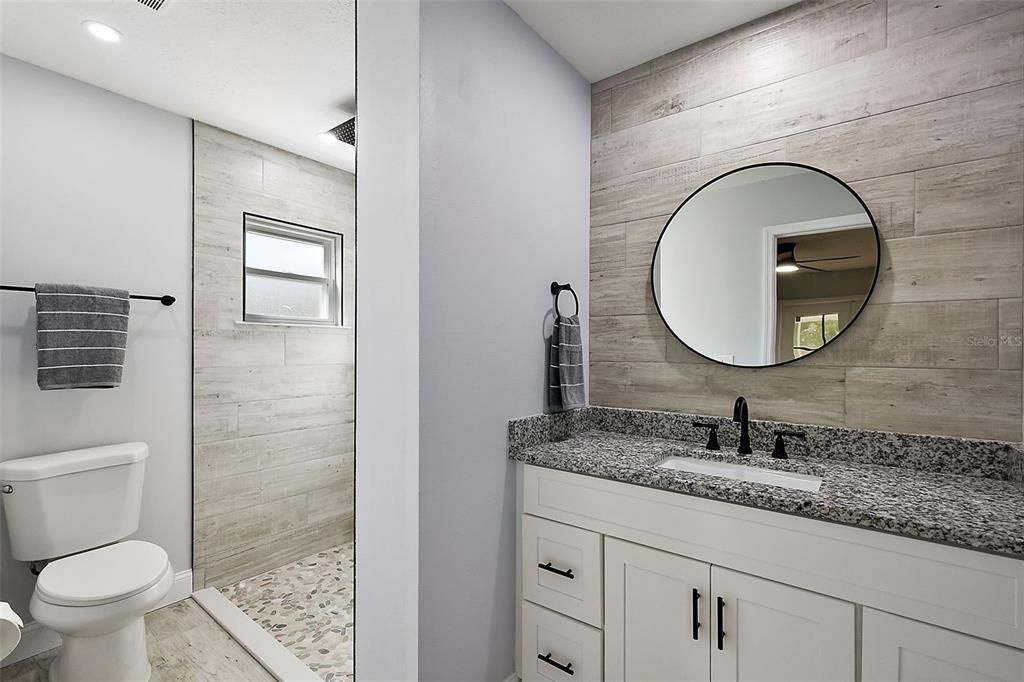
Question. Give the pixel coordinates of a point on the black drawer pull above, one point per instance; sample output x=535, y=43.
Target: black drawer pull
x=567, y=668
x=721, y=625
x=696, y=613
x=567, y=573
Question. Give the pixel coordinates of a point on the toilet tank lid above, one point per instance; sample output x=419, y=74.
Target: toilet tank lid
x=72, y=461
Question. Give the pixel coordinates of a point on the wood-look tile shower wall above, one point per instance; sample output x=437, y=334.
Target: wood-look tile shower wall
x=920, y=106
x=273, y=405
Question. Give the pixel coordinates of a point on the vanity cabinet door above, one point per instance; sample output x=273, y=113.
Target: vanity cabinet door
x=898, y=649
x=763, y=630
x=656, y=615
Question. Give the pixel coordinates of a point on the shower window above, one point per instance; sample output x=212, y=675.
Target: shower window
x=292, y=273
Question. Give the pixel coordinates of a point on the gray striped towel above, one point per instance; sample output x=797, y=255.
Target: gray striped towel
x=81, y=334
x=565, y=368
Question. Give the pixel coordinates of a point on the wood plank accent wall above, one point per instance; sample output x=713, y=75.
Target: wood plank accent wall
x=273, y=405
x=920, y=106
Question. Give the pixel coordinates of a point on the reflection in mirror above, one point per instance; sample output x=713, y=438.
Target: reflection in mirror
x=765, y=264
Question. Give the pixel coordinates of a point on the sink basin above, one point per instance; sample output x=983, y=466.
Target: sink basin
x=742, y=472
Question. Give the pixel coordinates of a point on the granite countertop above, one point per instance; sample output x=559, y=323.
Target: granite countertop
x=975, y=512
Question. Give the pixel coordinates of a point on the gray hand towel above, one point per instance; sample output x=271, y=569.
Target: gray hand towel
x=81, y=333
x=565, y=371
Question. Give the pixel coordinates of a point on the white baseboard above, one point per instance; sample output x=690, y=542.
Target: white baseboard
x=512, y=678
x=180, y=589
x=35, y=639
x=270, y=653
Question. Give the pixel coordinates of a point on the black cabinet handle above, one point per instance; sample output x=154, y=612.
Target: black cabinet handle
x=567, y=573
x=567, y=668
x=721, y=625
x=696, y=613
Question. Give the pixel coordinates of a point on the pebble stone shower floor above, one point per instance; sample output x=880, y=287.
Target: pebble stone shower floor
x=307, y=606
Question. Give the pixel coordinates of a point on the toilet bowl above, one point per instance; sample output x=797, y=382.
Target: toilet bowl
x=96, y=601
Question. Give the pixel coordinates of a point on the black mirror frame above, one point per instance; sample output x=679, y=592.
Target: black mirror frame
x=853, y=320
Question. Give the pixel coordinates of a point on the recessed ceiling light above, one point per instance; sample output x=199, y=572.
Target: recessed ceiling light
x=107, y=34
x=327, y=138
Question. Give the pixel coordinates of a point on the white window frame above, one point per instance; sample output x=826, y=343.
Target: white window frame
x=333, y=245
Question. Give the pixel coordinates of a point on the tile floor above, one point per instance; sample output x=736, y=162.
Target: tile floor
x=185, y=645
x=307, y=606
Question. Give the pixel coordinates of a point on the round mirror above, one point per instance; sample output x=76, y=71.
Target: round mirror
x=765, y=264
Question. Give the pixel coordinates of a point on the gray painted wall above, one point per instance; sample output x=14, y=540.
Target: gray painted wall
x=81, y=204
x=387, y=339
x=505, y=148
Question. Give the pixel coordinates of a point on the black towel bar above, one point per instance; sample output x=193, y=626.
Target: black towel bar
x=165, y=299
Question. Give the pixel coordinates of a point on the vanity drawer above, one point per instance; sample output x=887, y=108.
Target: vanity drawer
x=562, y=568
x=556, y=648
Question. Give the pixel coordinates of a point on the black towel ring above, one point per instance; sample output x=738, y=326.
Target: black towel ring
x=557, y=288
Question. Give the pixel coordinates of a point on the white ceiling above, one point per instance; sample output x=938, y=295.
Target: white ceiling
x=278, y=71
x=603, y=37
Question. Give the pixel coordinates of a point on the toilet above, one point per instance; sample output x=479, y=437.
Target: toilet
x=74, y=509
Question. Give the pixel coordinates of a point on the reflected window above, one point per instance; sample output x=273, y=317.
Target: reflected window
x=292, y=273
x=811, y=332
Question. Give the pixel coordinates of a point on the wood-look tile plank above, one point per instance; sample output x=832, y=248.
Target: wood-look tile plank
x=797, y=394
x=759, y=25
x=226, y=494
x=606, y=84
x=244, y=348
x=841, y=32
x=660, y=142
x=942, y=334
x=249, y=526
x=228, y=202
x=289, y=414
x=1011, y=333
x=204, y=653
x=334, y=506
x=607, y=247
x=217, y=236
x=241, y=384
x=947, y=267
x=216, y=158
x=328, y=347
x=601, y=113
x=891, y=203
x=676, y=351
x=212, y=422
x=239, y=563
x=953, y=130
x=979, y=55
x=627, y=338
x=972, y=195
x=912, y=19
x=626, y=291
x=296, y=479
x=642, y=238
x=313, y=188
x=217, y=291
x=254, y=453
x=954, y=402
x=659, y=191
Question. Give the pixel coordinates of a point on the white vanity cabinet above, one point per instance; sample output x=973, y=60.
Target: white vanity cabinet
x=625, y=583
x=668, y=617
x=657, y=615
x=902, y=650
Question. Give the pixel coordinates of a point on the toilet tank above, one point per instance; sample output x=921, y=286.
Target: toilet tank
x=72, y=501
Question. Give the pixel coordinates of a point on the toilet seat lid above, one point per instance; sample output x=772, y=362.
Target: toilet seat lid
x=104, y=575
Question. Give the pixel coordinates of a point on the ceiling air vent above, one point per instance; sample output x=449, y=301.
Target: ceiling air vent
x=346, y=132
x=153, y=4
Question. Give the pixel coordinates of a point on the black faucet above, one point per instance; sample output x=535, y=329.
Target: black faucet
x=741, y=414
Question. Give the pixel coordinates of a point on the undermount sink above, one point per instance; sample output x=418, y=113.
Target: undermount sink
x=742, y=472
